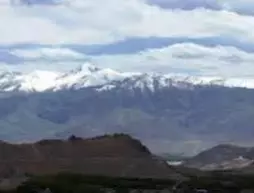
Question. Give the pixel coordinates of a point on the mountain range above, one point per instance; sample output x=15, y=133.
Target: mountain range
x=168, y=112
x=89, y=75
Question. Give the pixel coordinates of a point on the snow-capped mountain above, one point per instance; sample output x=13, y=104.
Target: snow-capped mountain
x=35, y=81
x=89, y=75
x=164, y=110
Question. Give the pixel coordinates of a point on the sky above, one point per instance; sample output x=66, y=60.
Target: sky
x=193, y=37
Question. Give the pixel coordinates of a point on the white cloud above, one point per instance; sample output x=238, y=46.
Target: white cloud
x=47, y=53
x=185, y=58
x=91, y=21
x=30, y=66
x=98, y=22
x=239, y=6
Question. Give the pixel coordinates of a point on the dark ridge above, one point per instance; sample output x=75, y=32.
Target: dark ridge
x=74, y=138
x=109, y=155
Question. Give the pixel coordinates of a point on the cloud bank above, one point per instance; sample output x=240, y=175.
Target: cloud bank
x=87, y=22
x=238, y=6
x=201, y=37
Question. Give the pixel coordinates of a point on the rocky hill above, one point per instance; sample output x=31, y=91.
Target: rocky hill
x=222, y=157
x=116, y=155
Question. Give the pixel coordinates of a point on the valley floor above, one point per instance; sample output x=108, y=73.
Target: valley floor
x=217, y=182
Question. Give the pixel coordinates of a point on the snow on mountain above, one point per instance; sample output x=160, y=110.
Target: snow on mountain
x=89, y=75
x=38, y=80
x=236, y=163
x=35, y=81
x=9, y=81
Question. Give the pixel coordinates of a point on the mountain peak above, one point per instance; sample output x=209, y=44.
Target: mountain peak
x=88, y=67
x=90, y=75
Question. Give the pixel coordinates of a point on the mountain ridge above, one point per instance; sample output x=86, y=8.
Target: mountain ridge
x=167, y=119
x=111, y=155
x=167, y=115
x=222, y=157
x=89, y=75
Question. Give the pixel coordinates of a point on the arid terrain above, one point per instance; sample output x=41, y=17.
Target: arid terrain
x=116, y=155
